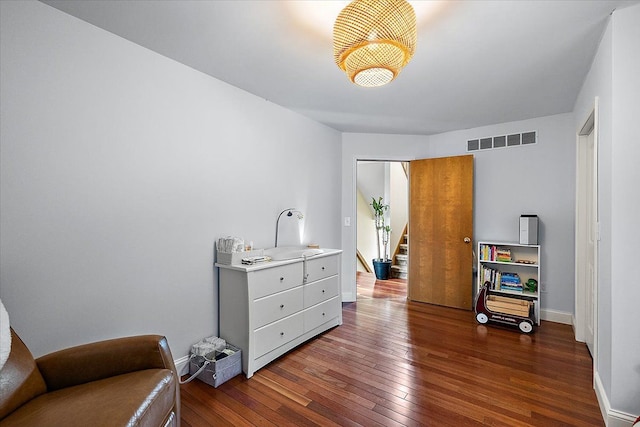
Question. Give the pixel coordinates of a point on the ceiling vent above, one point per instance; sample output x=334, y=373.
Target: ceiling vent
x=502, y=141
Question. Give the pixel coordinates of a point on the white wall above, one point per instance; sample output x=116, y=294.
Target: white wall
x=366, y=226
x=537, y=179
x=119, y=170
x=613, y=78
x=372, y=182
x=398, y=204
x=599, y=83
x=625, y=205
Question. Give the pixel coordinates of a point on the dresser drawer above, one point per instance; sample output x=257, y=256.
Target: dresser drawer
x=271, y=280
x=278, y=333
x=320, y=290
x=277, y=306
x=321, y=313
x=319, y=268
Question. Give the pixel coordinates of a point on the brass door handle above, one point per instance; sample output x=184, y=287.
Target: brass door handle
x=467, y=240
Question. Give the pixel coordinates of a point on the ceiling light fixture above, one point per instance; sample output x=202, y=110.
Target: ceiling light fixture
x=374, y=39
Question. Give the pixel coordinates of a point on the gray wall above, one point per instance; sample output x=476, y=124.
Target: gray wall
x=534, y=179
x=119, y=170
x=537, y=179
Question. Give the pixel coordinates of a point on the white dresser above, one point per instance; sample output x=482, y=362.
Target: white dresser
x=268, y=309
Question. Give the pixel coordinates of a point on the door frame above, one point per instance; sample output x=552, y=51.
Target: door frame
x=349, y=259
x=589, y=125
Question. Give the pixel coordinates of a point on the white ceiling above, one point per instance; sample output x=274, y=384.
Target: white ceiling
x=476, y=63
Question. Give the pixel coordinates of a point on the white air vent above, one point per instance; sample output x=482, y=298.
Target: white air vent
x=502, y=141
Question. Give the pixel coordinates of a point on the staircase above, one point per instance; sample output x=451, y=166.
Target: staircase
x=400, y=267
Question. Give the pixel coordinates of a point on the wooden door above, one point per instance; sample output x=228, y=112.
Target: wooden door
x=440, y=231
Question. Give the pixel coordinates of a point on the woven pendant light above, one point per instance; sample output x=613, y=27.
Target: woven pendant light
x=374, y=39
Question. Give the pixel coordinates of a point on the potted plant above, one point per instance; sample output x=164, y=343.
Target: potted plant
x=382, y=264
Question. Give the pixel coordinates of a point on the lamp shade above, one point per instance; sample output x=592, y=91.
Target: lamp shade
x=374, y=39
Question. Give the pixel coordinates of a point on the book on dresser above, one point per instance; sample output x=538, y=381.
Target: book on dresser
x=512, y=271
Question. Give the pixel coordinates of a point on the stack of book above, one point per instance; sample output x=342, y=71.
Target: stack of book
x=503, y=255
x=510, y=282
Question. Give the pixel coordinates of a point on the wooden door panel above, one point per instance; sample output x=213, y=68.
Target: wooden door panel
x=440, y=217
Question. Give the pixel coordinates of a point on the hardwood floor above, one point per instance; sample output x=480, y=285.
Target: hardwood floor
x=398, y=363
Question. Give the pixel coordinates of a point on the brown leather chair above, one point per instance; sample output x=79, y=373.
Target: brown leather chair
x=121, y=382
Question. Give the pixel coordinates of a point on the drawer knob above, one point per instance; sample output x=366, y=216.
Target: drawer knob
x=323, y=268
x=323, y=314
x=282, y=279
x=323, y=291
x=281, y=334
x=281, y=306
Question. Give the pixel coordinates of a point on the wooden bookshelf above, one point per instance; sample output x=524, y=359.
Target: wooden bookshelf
x=508, y=267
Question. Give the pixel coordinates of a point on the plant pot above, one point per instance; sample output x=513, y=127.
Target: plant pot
x=382, y=268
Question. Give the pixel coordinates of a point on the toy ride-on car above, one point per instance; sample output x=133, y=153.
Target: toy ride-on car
x=504, y=310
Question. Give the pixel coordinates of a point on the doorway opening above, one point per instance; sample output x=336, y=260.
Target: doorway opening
x=384, y=180
x=438, y=197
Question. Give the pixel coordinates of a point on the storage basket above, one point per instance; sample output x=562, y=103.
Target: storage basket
x=235, y=258
x=219, y=371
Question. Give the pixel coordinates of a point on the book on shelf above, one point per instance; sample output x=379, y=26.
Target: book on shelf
x=492, y=276
x=495, y=253
x=501, y=281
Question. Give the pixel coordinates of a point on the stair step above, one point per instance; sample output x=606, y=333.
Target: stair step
x=399, y=274
x=402, y=259
x=400, y=268
x=404, y=246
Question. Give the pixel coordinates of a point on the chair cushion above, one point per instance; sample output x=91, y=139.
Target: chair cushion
x=5, y=335
x=142, y=398
x=20, y=379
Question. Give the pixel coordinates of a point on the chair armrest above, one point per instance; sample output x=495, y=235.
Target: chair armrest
x=104, y=359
